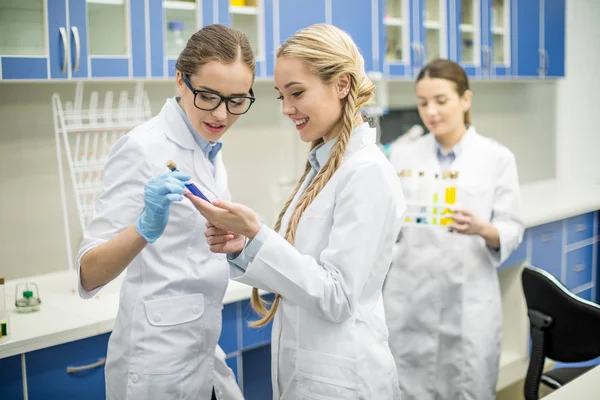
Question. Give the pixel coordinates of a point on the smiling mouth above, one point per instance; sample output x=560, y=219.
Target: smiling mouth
x=214, y=127
x=300, y=123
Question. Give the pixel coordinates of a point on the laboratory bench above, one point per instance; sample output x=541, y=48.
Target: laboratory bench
x=561, y=237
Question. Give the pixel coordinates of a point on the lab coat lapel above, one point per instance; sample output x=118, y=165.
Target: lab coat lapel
x=463, y=157
x=179, y=133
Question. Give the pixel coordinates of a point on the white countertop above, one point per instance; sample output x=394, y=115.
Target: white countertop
x=584, y=387
x=553, y=200
x=65, y=317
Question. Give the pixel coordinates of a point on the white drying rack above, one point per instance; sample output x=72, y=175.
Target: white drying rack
x=86, y=136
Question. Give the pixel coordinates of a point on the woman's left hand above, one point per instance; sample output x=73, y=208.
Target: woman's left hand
x=469, y=224
x=232, y=217
x=466, y=222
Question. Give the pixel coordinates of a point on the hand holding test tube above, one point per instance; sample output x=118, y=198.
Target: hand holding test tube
x=190, y=186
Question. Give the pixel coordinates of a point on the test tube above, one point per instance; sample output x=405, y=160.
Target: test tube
x=435, y=186
x=422, y=197
x=447, y=192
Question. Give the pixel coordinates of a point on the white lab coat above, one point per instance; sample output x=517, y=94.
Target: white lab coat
x=442, y=298
x=169, y=319
x=329, y=339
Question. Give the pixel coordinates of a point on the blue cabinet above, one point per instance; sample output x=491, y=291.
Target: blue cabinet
x=579, y=267
x=11, y=378
x=540, y=44
x=171, y=23
x=82, y=39
x=358, y=18
x=547, y=248
x=48, y=376
x=257, y=374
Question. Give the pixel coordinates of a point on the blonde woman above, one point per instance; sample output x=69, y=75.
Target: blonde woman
x=331, y=247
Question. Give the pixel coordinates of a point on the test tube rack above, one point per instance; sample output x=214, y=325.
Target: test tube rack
x=430, y=198
x=84, y=137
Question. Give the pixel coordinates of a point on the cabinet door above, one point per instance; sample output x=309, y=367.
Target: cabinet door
x=547, y=248
x=466, y=35
x=526, y=41
x=356, y=17
x=432, y=32
x=78, y=36
x=172, y=22
x=139, y=60
x=47, y=376
x=295, y=15
x=23, y=50
x=496, y=54
x=579, y=267
x=109, y=30
x=397, y=37
x=249, y=17
x=11, y=379
x=58, y=39
x=554, y=38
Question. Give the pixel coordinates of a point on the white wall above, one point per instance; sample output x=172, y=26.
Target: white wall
x=578, y=96
x=257, y=152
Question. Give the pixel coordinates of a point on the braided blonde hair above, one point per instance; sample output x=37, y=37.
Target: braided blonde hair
x=329, y=53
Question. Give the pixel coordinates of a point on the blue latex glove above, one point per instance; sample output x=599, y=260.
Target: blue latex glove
x=159, y=192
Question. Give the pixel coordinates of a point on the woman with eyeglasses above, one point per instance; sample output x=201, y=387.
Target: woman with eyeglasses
x=169, y=321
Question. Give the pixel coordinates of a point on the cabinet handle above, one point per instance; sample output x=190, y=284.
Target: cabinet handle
x=579, y=267
x=547, y=237
x=546, y=62
x=580, y=227
x=486, y=59
x=422, y=53
x=63, y=36
x=99, y=363
x=75, y=32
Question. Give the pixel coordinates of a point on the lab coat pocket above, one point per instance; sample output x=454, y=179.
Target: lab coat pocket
x=323, y=376
x=173, y=334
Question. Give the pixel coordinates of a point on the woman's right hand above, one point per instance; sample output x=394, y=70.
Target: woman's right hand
x=222, y=241
x=159, y=193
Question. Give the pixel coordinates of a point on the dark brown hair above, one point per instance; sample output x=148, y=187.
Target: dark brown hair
x=451, y=71
x=215, y=43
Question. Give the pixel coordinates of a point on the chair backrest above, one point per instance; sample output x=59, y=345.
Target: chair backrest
x=574, y=333
x=563, y=326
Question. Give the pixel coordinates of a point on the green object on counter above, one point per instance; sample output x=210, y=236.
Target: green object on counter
x=4, y=330
x=27, y=294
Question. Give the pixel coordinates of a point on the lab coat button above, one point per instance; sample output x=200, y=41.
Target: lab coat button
x=196, y=309
x=157, y=317
x=134, y=378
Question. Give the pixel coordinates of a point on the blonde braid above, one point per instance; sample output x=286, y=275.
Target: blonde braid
x=349, y=114
x=328, y=53
x=258, y=303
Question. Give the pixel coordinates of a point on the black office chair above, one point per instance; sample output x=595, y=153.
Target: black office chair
x=563, y=327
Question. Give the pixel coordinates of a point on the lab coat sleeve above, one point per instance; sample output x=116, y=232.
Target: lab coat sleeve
x=330, y=287
x=240, y=260
x=226, y=387
x=125, y=174
x=506, y=210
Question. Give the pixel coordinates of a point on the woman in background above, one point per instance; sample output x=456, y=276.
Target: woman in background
x=442, y=297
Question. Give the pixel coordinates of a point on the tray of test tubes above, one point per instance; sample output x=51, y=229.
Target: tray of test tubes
x=430, y=197
x=84, y=135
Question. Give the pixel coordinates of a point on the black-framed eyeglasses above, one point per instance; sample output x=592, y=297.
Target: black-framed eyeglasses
x=207, y=101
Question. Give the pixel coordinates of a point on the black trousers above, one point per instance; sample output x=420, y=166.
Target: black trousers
x=214, y=396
